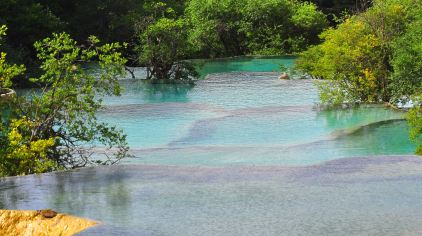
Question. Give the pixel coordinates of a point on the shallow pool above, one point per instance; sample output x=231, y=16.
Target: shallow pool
x=360, y=196
x=248, y=118
x=240, y=153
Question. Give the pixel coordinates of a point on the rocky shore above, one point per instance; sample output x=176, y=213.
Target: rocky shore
x=41, y=223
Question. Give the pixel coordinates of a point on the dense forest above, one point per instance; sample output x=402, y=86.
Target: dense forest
x=213, y=28
x=359, y=51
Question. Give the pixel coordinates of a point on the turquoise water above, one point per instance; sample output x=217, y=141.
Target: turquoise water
x=245, y=64
x=240, y=153
x=242, y=114
x=248, y=118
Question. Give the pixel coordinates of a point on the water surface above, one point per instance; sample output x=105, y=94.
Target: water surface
x=248, y=118
x=360, y=196
x=240, y=153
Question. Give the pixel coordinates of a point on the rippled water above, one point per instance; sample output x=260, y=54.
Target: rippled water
x=248, y=118
x=240, y=153
x=361, y=196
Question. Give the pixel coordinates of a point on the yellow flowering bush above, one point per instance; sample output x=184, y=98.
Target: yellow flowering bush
x=22, y=153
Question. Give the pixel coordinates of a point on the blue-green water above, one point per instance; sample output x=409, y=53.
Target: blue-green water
x=240, y=153
x=244, y=64
x=248, y=118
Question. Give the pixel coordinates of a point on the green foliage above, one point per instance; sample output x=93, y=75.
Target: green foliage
x=228, y=27
x=21, y=154
x=307, y=16
x=375, y=56
x=57, y=128
x=214, y=27
x=28, y=21
x=350, y=57
x=67, y=109
x=163, y=46
x=310, y=22
x=414, y=118
x=336, y=8
x=112, y=21
x=217, y=27
x=356, y=55
x=7, y=71
x=407, y=62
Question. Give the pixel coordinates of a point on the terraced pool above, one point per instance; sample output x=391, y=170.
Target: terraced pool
x=240, y=153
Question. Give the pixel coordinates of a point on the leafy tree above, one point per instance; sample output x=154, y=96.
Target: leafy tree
x=268, y=27
x=375, y=56
x=349, y=57
x=163, y=46
x=337, y=7
x=214, y=30
x=20, y=153
x=57, y=128
x=308, y=23
x=7, y=71
x=355, y=56
x=28, y=21
x=406, y=79
x=407, y=76
x=414, y=118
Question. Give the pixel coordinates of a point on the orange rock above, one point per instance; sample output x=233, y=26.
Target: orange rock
x=41, y=223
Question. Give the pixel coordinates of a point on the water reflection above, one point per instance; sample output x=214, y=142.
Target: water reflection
x=153, y=92
x=247, y=118
x=377, y=196
x=166, y=92
x=243, y=64
x=357, y=116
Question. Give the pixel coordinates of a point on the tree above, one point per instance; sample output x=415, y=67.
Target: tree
x=308, y=23
x=163, y=47
x=414, y=118
x=58, y=128
x=407, y=76
x=406, y=79
x=7, y=71
x=355, y=57
x=268, y=27
x=375, y=56
x=20, y=153
x=349, y=59
x=336, y=8
x=214, y=27
x=28, y=21
x=112, y=21
x=17, y=154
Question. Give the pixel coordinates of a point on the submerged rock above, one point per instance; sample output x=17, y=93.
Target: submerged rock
x=7, y=94
x=40, y=223
x=284, y=76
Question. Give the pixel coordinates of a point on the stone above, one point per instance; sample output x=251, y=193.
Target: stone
x=284, y=76
x=41, y=223
x=47, y=213
x=7, y=94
